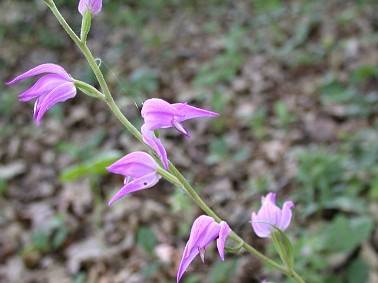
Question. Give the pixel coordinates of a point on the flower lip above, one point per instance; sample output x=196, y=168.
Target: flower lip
x=204, y=231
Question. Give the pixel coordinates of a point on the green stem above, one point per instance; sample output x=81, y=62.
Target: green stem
x=89, y=89
x=198, y=200
x=169, y=177
x=97, y=72
x=296, y=277
x=173, y=175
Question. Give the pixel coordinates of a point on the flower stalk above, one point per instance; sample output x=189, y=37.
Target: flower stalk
x=172, y=175
x=89, y=89
x=85, y=26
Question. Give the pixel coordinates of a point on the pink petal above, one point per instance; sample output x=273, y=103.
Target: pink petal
x=144, y=182
x=186, y=111
x=260, y=227
x=186, y=261
x=270, y=216
x=179, y=127
x=286, y=215
x=134, y=165
x=43, y=86
x=270, y=197
x=93, y=6
x=42, y=69
x=151, y=140
x=157, y=114
x=198, y=239
x=198, y=230
x=47, y=101
x=269, y=212
x=224, y=232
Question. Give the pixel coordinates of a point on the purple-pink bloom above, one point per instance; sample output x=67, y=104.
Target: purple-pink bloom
x=55, y=86
x=203, y=232
x=93, y=6
x=159, y=114
x=271, y=217
x=154, y=142
x=139, y=170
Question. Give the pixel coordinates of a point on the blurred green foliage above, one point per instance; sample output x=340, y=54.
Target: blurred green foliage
x=320, y=249
x=355, y=102
x=49, y=238
x=222, y=272
x=224, y=66
x=146, y=239
x=342, y=181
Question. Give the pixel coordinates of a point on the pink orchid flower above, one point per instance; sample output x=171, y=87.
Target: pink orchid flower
x=159, y=114
x=139, y=170
x=204, y=231
x=270, y=216
x=55, y=86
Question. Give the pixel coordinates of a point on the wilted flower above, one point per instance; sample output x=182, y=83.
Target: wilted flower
x=93, y=6
x=139, y=170
x=154, y=142
x=271, y=217
x=203, y=232
x=159, y=114
x=55, y=86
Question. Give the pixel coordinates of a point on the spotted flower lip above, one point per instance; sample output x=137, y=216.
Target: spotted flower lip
x=93, y=6
x=54, y=86
x=139, y=170
x=204, y=231
x=159, y=114
x=271, y=217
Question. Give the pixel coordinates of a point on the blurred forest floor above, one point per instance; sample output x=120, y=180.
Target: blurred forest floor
x=296, y=84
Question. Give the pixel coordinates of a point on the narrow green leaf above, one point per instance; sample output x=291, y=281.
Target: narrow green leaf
x=94, y=166
x=283, y=247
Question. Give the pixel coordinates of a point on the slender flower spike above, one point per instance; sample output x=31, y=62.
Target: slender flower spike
x=54, y=86
x=159, y=114
x=93, y=6
x=271, y=217
x=139, y=170
x=204, y=231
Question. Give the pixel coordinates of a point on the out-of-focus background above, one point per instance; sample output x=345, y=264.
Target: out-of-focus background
x=296, y=84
